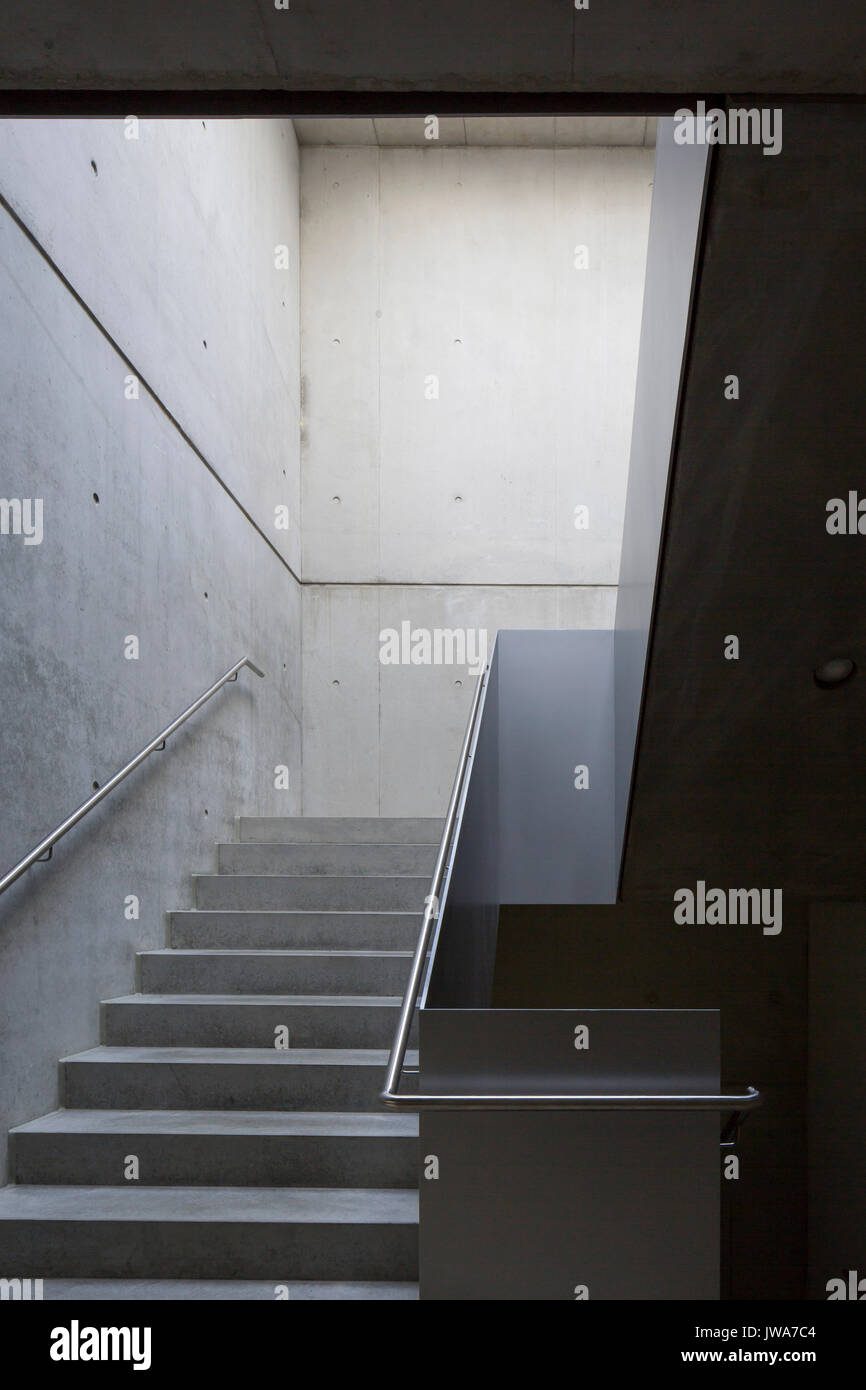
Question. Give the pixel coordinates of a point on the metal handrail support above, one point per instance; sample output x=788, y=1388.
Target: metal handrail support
x=44, y=849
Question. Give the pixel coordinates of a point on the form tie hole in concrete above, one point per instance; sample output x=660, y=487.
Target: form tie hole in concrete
x=205, y=810
x=96, y=786
x=335, y=682
x=834, y=672
x=205, y=593
x=458, y=498
x=96, y=496
x=458, y=683
x=204, y=343
x=335, y=499
x=94, y=168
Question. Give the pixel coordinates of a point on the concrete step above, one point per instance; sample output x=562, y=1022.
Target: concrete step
x=273, y=972
x=366, y=860
x=250, y=1020
x=216, y=1078
x=257, y=1233
x=371, y=931
x=189, y=1148
x=220, y=1290
x=340, y=830
x=332, y=893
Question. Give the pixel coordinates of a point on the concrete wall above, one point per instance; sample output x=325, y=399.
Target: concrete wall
x=453, y=271
x=747, y=770
x=384, y=739
x=837, y=1095
x=170, y=240
x=167, y=243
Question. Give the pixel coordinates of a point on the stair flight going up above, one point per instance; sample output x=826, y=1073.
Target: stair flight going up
x=226, y=1140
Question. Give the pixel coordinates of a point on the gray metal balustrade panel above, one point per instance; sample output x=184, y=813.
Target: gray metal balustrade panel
x=552, y=1205
x=527, y=832
x=556, y=707
x=629, y=1051
x=547, y=1205
x=465, y=943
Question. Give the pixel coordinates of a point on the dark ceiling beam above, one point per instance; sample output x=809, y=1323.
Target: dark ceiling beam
x=238, y=104
x=471, y=46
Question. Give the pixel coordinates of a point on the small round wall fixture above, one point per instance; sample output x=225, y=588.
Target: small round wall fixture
x=834, y=672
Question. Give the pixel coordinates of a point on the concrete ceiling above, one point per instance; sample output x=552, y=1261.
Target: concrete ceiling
x=546, y=132
x=748, y=773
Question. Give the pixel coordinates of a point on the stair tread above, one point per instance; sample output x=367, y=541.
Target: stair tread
x=350, y=1206
x=340, y=1242
x=289, y=1000
x=320, y=877
x=259, y=1123
x=317, y=952
x=329, y=844
x=243, y=1056
x=425, y=830
x=288, y=911
x=216, y=1290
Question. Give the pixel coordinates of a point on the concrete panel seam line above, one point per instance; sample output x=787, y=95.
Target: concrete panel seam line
x=142, y=379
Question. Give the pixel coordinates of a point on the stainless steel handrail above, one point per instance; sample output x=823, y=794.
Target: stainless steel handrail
x=44, y=849
x=723, y=1102
x=738, y=1103
x=390, y=1094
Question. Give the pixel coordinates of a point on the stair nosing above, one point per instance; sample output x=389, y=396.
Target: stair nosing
x=316, y=951
x=291, y=911
x=225, y=1205
x=276, y=1000
x=91, y=1120
x=111, y=1054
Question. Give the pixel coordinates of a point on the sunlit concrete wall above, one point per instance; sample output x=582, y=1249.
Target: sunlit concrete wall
x=150, y=363
x=470, y=327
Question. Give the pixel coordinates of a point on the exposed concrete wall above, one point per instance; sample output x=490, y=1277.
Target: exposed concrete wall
x=453, y=272
x=165, y=554
x=467, y=385
x=384, y=739
x=747, y=771
x=837, y=1096
x=170, y=239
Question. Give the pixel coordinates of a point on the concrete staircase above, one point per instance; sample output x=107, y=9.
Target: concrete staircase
x=258, y=1166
